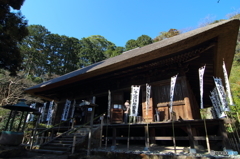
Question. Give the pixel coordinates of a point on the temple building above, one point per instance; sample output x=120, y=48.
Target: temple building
x=143, y=76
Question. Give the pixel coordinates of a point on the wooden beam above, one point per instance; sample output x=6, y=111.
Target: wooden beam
x=167, y=138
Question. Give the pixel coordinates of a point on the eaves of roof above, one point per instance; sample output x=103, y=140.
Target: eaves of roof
x=225, y=31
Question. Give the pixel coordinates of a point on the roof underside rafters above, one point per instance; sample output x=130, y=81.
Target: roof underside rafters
x=189, y=51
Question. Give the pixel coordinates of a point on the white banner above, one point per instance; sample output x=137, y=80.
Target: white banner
x=217, y=99
x=148, y=93
x=173, y=82
x=109, y=103
x=221, y=93
x=66, y=110
x=43, y=111
x=73, y=109
x=216, y=105
x=201, y=73
x=50, y=111
x=134, y=100
x=227, y=84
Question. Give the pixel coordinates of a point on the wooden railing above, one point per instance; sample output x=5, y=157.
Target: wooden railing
x=49, y=134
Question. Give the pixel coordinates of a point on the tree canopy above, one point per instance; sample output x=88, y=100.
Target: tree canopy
x=168, y=34
x=12, y=31
x=140, y=42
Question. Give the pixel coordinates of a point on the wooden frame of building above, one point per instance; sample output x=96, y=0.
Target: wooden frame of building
x=154, y=64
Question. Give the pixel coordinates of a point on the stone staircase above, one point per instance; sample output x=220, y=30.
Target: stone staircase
x=64, y=143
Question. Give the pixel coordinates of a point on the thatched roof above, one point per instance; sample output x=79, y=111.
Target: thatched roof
x=224, y=32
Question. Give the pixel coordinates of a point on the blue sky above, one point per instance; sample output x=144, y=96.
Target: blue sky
x=121, y=20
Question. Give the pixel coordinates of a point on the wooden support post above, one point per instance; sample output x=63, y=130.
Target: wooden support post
x=152, y=134
x=101, y=130
x=190, y=135
x=106, y=137
x=146, y=137
x=42, y=139
x=207, y=139
x=90, y=132
x=114, y=138
x=128, y=136
x=174, y=139
x=36, y=137
x=34, y=134
x=74, y=141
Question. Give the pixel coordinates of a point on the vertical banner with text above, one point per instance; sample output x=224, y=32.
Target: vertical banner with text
x=201, y=73
x=173, y=82
x=221, y=93
x=73, y=109
x=43, y=111
x=148, y=93
x=66, y=110
x=229, y=95
x=134, y=100
x=50, y=113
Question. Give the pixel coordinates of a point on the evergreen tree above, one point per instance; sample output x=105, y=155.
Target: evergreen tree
x=12, y=31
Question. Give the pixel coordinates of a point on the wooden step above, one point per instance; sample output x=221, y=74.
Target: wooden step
x=49, y=151
x=71, y=135
x=62, y=141
x=57, y=148
x=59, y=145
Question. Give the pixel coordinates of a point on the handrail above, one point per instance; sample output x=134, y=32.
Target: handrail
x=85, y=124
x=69, y=131
x=74, y=136
x=42, y=132
x=72, y=130
x=54, y=126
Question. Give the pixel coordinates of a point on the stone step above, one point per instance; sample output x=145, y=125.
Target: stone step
x=57, y=148
x=71, y=136
x=63, y=144
x=49, y=151
x=59, y=145
x=62, y=141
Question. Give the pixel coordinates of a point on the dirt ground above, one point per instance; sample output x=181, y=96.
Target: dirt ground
x=36, y=155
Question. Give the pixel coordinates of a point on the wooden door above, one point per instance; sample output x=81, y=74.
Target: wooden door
x=116, y=107
x=147, y=113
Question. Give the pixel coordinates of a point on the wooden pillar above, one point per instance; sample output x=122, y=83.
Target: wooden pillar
x=146, y=137
x=101, y=130
x=152, y=134
x=190, y=136
x=187, y=110
x=114, y=133
x=90, y=132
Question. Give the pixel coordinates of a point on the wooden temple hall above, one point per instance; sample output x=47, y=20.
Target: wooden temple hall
x=107, y=85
